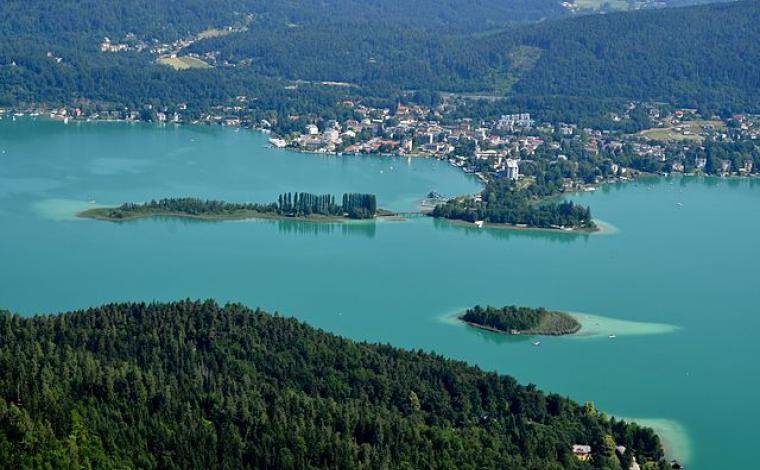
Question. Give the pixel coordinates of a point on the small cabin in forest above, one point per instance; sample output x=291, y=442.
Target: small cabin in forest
x=582, y=452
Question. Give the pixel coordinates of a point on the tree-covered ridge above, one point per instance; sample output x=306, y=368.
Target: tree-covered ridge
x=195, y=385
x=522, y=320
x=354, y=206
x=371, y=54
x=695, y=57
x=171, y=19
x=503, y=201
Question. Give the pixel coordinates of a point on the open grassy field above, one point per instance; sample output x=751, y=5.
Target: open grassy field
x=183, y=63
x=213, y=33
x=690, y=130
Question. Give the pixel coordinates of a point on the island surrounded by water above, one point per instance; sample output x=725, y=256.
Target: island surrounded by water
x=302, y=206
x=516, y=320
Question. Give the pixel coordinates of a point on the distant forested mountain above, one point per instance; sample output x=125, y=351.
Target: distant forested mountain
x=194, y=385
x=171, y=19
x=697, y=56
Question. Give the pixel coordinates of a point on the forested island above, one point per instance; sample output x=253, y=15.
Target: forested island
x=504, y=202
x=521, y=320
x=197, y=385
x=307, y=206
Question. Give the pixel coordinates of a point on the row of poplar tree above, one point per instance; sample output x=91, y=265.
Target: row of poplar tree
x=354, y=205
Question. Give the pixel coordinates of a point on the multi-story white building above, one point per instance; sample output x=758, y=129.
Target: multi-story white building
x=512, y=169
x=510, y=121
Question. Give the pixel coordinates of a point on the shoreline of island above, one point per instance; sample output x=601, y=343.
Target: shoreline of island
x=97, y=214
x=521, y=321
x=303, y=207
x=520, y=333
x=592, y=326
x=523, y=227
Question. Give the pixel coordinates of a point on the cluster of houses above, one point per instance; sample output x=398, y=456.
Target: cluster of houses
x=129, y=43
x=499, y=147
x=496, y=148
x=583, y=453
x=132, y=43
x=745, y=126
x=409, y=131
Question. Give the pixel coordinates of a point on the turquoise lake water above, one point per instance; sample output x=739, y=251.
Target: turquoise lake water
x=674, y=283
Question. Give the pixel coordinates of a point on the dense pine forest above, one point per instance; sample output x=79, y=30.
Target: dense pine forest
x=197, y=385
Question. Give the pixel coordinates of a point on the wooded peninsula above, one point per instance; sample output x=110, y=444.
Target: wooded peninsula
x=521, y=320
x=197, y=385
x=505, y=202
x=307, y=206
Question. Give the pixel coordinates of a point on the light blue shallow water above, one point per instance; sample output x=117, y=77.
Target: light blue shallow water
x=686, y=275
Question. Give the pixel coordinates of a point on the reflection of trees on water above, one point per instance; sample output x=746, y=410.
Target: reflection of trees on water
x=294, y=227
x=506, y=233
x=290, y=227
x=500, y=338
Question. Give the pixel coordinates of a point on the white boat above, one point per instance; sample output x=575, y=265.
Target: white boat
x=537, y=343
x=479, y=223
x=679, y=203
x=612, y=336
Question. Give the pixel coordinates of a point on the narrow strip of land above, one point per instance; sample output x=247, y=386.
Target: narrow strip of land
x=301, y=206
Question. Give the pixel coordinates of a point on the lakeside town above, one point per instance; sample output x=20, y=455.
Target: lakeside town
x=514, y=146
x=503, y=147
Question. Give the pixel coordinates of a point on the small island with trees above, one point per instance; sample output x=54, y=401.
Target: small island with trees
x=303, y=206
x=521, y=320
x=514, y=204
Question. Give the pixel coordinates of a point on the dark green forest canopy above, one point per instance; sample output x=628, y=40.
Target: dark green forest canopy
x=172, y=19
x=529, y=320
x=696, y=56
x=196, y=385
